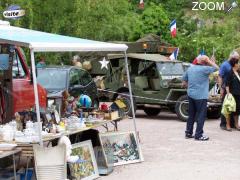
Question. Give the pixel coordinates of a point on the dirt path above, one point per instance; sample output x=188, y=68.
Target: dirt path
x=169, y=156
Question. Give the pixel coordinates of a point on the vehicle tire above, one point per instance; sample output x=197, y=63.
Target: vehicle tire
x=126, y=99
x=152, y=111
x=181, y=108
x=214, y=114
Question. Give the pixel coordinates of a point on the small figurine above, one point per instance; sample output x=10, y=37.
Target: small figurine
x=69, y=104
x=65, y=96
x=18, y=121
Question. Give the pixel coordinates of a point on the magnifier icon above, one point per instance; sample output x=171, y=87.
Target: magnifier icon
x=233, y=5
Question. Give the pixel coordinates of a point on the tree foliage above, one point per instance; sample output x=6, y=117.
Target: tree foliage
x=122, y=20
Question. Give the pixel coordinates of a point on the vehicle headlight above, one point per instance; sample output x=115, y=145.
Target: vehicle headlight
x=164, y=84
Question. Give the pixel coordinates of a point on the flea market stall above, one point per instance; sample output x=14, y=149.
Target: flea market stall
x=38, y=41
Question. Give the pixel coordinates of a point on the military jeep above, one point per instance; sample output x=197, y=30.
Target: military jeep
x=156, y=84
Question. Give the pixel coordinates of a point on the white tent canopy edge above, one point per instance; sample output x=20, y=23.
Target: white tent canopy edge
x=38, y=41
x=47, y=42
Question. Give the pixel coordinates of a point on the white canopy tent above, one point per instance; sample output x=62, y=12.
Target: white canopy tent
x=38, y=41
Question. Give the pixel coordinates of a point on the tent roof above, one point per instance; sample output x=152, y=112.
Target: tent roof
x=143, y=56
x=47, y=42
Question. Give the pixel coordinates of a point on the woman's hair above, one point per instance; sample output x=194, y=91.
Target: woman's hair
x=233, y=61
x=76, y=57
x=233, y=54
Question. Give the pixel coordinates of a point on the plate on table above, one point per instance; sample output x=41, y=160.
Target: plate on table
x=7, y=146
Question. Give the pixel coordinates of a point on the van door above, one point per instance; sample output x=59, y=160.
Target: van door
x=6, y=106
x=22, y=87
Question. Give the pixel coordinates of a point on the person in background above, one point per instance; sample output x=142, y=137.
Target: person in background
x=196, y=79
x=233, y=87
x=224, y=72
x=76, y=61
x=41, y=63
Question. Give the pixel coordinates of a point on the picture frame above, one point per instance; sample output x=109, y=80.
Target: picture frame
x=104, y=167
x=86, y=169
x=122, y=146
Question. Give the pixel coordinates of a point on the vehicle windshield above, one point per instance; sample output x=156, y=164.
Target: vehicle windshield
x=170, y=68
x=52, y=79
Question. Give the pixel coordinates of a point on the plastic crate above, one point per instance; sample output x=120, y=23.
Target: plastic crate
x=29, y=174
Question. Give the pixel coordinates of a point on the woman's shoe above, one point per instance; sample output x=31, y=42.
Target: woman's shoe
x=228, y=127
x=238, y=128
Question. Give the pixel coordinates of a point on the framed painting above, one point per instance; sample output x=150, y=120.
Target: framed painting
x=86, y=168
x=121, y=147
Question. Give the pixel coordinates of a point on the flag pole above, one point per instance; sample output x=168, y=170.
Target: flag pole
x=213, y=55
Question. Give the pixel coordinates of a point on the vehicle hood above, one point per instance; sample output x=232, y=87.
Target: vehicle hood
x=54, y=93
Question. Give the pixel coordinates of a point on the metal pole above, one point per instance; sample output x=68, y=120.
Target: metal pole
x=131, y=98
x=14, y=167
x=36, y=96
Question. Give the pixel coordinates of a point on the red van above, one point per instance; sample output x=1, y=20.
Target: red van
x=16, y=87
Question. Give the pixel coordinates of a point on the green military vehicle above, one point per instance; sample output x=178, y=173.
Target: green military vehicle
x=155, y=81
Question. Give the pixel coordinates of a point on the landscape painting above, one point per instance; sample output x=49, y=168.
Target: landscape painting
x=122, y=147
x=86, y=168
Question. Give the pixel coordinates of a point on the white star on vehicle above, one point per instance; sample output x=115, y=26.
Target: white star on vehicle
x=104, y=63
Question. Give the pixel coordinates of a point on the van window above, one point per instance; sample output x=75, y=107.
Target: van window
x=4, y=57
x=52, y=79
x=17, y=68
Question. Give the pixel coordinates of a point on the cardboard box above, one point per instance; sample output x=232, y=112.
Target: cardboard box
x=111, y=115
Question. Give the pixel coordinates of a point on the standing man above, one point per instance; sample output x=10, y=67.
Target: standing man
x=196, y=79
x=76, y=61
x=224, y=73
x=41, y=63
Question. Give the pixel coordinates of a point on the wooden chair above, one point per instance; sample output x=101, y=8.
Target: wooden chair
x=50, y=162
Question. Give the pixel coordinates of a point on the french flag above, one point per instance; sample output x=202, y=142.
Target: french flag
x=174, y=55
x=173, y=28
x=200, y=54
x=141, y=4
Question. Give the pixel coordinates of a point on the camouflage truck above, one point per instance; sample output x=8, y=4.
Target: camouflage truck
x=155, y=81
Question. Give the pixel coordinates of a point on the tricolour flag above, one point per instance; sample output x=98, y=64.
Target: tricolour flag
x=173, y=28
x=202, y=52
x=174, y=55
x=141, y=4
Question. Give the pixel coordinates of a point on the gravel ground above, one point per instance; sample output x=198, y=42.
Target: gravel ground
x=169, y=156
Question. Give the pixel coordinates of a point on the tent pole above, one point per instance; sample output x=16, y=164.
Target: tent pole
x=131, y=97
x=36, y=96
